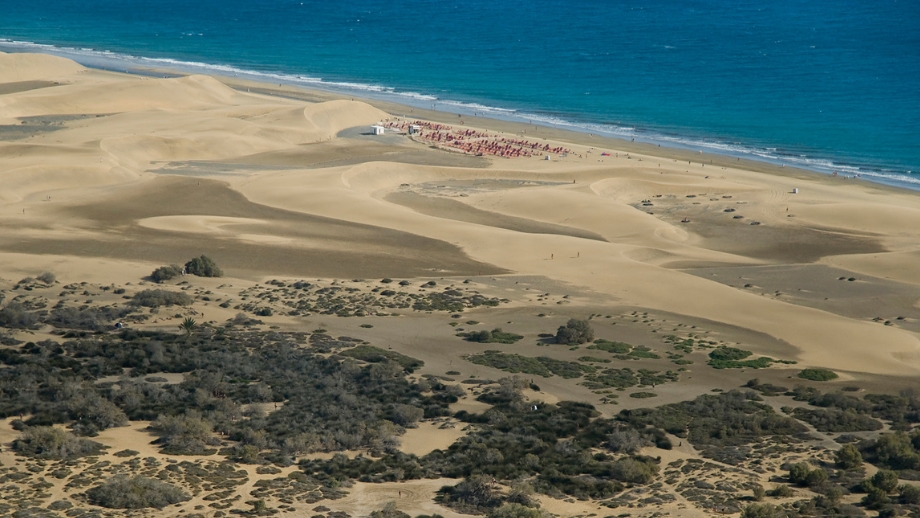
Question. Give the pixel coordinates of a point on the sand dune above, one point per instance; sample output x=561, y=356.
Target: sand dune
x=32, y=67
x=634, y=204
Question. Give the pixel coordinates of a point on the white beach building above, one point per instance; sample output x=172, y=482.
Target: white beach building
x=377, y=129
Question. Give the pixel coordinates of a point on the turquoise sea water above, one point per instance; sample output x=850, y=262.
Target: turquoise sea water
x=831, y=85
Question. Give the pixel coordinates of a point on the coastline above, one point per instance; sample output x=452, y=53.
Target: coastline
x=501, y=119
x=303, y=93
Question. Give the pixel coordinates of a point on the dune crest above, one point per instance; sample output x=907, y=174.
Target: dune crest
x=35, y=67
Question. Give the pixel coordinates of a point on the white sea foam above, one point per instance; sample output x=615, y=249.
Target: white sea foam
x=107, y=59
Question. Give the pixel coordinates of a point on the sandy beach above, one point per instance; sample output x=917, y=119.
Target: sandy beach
x=105, y=177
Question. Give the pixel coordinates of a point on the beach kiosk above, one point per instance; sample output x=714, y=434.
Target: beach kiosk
x=377, y=129
x=415, y=129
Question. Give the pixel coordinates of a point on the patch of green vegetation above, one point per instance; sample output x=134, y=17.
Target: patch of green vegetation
x=593, y=359
x=766, y=389
x=817, y=374
x=203, y=266
x=565, y=369
x=541, y=366
x=557, y=449
x=157, y=298
x=495, y=336
x=371, y=354
x=724, y=357
x=452, y=300
x=836, y=420
x=641, y=351
x=624, y=351
x=725, y=353
x=165, y=273
x=643, y=395
x=16, y=316
x=45, y=442
x=138, y=492
x=720, y=423
x=188, y=434
x=611, y=347
x=126, y=453
x=626, y=377
x=575, y=332
x=683, y=345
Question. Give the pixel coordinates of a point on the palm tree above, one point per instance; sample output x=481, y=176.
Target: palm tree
x=188, y=325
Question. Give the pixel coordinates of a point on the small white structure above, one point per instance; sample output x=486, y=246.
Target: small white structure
x=415, y=129
x=795, y=190
x=377, y=130
x=548, y=157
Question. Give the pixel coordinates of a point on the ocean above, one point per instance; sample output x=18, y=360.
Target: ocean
x=828, y=86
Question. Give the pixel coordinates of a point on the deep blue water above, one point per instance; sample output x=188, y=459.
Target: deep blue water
x=831, y=85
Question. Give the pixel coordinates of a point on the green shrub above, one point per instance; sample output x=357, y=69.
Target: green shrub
x=90, y=319
x=910, y=495
x=633, y=471
x=564, y=368
x=389, y=511
x=733, y=358
x=626, y=377
x=640, y=351
x=15, y=316
x=817, y=477
x=472, y=494
x=138, y=492
x=781, y=491
x=815, y=374
x=885, y=479
x=47, y=278
x=46, y=442
x=157, y=298
x=92, y=414
x=514, y=510
x=611, y=347
x=643, y=395
x=575, y=332
x=165, y=273
x=798, y=473
x=724, y=353
x=514, y=363
x=542, y=366
x=371, y=354
x=848, y=457
x=763, y=511
x=494, y=336
x=203, y=266
x=499, y=336
x=836, y=420
x=188, y=434
x=406, y=415
x=875, y=498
